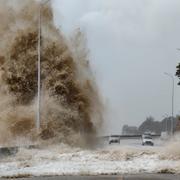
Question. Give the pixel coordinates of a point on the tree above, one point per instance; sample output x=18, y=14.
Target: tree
x=150, y=125
x=178, y=72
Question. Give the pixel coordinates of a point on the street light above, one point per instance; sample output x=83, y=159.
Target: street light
x=39, y=66
x=172, y=110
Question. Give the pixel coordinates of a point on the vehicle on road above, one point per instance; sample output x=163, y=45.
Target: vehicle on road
x=114, y=139
x=147, y=140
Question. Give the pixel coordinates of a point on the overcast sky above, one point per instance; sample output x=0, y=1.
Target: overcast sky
x=132, y=43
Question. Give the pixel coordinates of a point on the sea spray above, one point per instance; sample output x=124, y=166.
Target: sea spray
x=70, y=104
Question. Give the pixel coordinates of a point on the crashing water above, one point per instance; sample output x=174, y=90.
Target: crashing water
x=63, y=160
x=70, y=103
x=71, y=107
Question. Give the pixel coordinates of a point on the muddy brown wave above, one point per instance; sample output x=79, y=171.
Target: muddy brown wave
x=71, y=109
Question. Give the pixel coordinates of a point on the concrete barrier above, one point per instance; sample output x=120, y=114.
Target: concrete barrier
x=8, y=151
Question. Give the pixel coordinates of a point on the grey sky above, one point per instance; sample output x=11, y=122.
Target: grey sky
x=132, y=43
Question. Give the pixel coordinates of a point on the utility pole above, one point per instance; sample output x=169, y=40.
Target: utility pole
x=38, y=116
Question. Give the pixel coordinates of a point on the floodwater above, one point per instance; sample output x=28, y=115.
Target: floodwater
x=130, y=157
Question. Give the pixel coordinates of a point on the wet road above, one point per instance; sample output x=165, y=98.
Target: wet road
x=124, y=177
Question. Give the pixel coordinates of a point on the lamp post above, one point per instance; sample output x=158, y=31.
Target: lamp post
x=38, y=118
x=172, y=108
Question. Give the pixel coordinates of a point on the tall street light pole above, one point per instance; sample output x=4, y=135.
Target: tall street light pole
x=38, y=117
x=172, y=110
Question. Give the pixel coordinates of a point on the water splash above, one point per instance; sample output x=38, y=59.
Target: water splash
x=71, y=107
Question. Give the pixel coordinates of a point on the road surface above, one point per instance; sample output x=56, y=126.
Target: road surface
x=125, y=177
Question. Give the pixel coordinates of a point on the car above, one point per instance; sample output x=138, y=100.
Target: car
x=147, y=140
x=114, y=139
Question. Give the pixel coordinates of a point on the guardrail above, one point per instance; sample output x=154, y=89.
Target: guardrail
x=129, y=136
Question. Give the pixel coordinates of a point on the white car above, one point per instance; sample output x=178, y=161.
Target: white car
x=147, y=140
x=114, y=139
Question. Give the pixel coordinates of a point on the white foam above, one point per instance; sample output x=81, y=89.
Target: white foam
x=60, y=160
